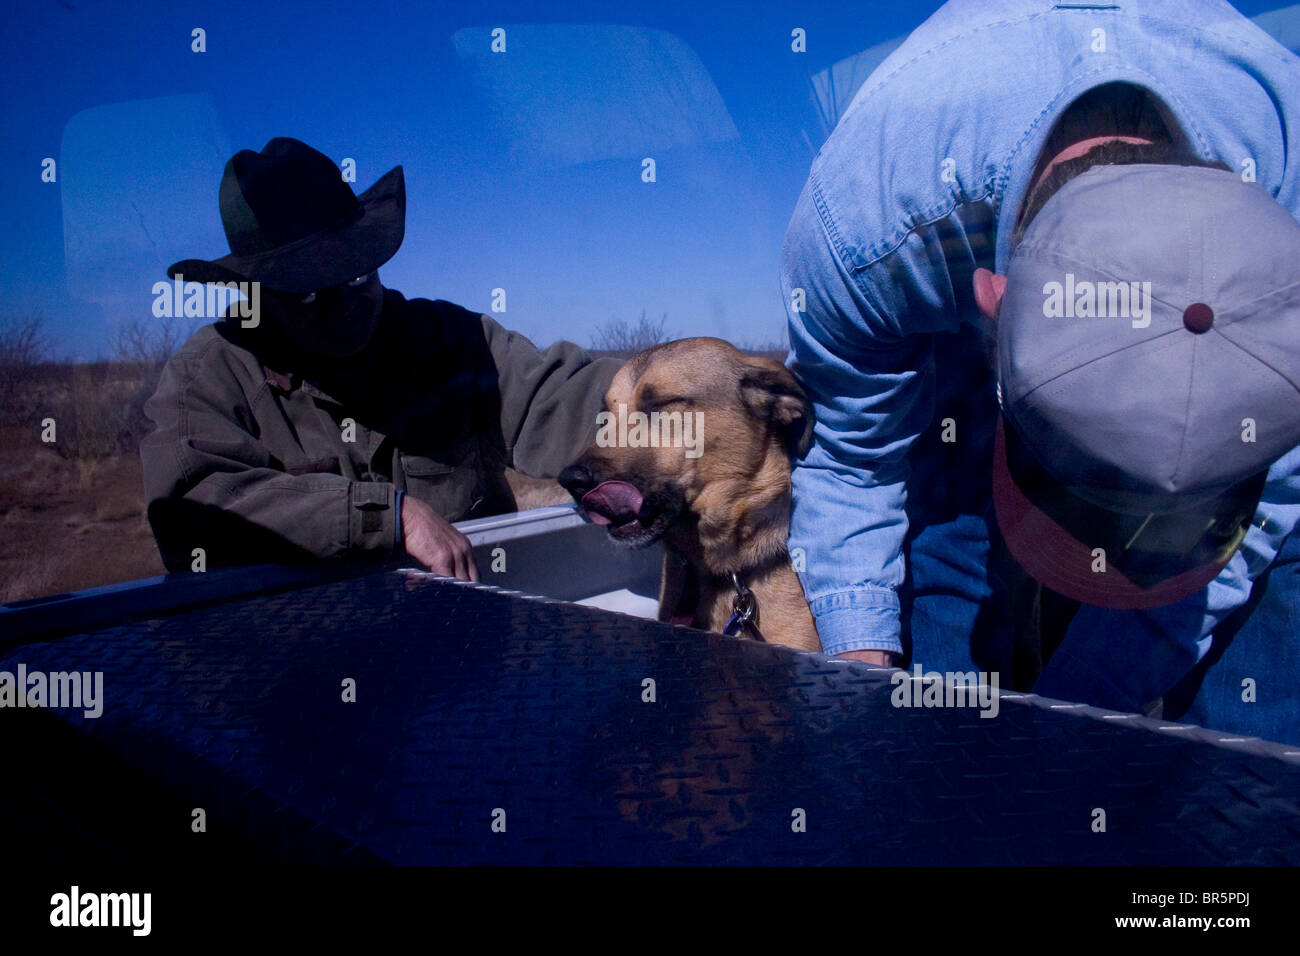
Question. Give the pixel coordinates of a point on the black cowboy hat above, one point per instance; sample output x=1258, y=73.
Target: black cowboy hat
x=294, y=225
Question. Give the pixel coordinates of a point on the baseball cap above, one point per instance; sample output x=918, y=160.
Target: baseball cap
x=1148, y=371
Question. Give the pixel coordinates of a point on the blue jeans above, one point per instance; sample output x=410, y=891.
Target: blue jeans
x=959, y=615
x=957, y=601
x=1260, y=646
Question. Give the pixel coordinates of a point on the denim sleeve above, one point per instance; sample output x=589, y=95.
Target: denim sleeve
x=872, y=395
x=1125, y=659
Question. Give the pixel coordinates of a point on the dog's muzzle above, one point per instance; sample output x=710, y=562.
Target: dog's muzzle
x=608, y=503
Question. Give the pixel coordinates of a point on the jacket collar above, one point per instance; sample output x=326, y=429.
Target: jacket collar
x=281, y=380
x=291, y=381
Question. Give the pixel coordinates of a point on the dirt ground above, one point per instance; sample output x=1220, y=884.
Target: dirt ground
x=66, y=525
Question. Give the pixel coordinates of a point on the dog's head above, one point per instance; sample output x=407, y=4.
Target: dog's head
x=696, y=440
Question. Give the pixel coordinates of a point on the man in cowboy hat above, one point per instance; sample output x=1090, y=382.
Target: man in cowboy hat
x=1120, y=223
x=345, y=418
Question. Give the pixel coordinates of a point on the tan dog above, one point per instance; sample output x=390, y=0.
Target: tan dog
x=705, y=469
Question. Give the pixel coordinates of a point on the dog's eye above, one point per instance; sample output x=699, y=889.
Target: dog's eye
x=656, y=404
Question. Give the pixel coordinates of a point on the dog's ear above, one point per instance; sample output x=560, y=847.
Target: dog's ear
x=772, y=393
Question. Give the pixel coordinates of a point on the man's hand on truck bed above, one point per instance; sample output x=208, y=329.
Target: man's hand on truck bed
x=433, y=541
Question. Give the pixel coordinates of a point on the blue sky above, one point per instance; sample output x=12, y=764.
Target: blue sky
x=523, y=172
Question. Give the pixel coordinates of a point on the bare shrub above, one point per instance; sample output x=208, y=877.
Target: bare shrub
x=147, y=343
x=90, y=415
x=146, y=346
x=24, y=347
x=620, y=335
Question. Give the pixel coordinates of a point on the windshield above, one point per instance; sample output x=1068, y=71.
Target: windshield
x=597, y=177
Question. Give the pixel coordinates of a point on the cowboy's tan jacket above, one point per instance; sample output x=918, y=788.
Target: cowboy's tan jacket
x=251, y=461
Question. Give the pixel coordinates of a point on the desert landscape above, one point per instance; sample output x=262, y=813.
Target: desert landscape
x=71, y=492
x=71, y=497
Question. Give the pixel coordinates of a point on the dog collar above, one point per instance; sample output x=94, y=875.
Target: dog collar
x=744, y=613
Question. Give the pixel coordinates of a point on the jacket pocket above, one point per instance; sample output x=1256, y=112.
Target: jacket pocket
x=447, y=482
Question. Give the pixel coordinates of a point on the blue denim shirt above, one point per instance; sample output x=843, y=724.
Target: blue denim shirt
x=919, y=185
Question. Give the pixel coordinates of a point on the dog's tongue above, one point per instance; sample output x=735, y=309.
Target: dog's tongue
x=612, y=502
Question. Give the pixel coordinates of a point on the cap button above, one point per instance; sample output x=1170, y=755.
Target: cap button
x=1198, y=317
